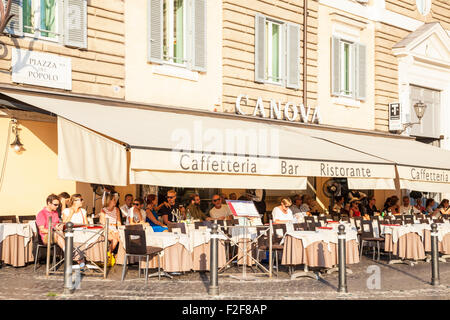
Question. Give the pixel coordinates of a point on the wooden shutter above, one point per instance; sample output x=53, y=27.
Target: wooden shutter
x=75, y=23
x=15, y=25
x=361, y=75
x=293, y=56
x=335, y=66
x=155, y=31
x=260, y=59
x=199, y=36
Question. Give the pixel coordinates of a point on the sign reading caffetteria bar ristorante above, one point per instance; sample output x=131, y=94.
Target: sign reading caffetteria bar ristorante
x=41, y=69
x=179, y=161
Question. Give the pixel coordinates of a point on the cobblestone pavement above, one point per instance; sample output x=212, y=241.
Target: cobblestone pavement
x=397, y=281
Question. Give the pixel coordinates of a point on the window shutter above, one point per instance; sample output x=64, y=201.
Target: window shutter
x=75, y=23
x=293, y=56
x=155, y=31
x=260, y=59
x=199, y=36
x=361, y=75
x=335, y=66
x=15, y=25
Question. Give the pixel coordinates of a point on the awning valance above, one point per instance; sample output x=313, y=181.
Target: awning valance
x=170, y=148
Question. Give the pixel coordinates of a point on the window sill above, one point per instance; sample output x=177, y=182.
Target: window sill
x=280, y=84
x=175, y=71
x=37, y=37
x=347, y=102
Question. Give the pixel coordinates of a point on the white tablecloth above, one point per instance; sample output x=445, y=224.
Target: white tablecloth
x=398, y=231
x=25, y=230
x=86, y=236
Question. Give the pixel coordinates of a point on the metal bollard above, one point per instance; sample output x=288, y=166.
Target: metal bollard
x=68, y=255
x=434, y=256
x=342, y=256
x=213, y=262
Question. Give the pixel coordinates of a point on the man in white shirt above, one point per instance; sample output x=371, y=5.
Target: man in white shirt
x=406, y=207
x=219, y=211
x=127, y=208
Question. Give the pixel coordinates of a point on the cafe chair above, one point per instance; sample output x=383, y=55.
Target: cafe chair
x=445, y=216
x=220, y=222
x=378, y=223
x=299, y=226
x=398, y=221
x=424, y=221
x=408, y=220
x=322, y=221
x=39, y=244
x=136, y=245
x=439, y=220
x=310, y=223
x=279, y=230
x=358, y=223
x=367, y=236
x=345, y=218
x=26, y=219
x=134, y=227
x=180, y=226
x=236, y=222
x=335, y=217
x=8, y=219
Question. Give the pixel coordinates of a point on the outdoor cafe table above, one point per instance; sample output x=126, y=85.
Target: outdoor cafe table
x=412, y=240
x=181, y=252
x=16, y=243
x=89, y=241
x=319, y=248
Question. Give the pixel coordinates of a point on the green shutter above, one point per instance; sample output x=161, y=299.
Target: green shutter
x=293, y=56
x=335, y=67
x=15, y=25
x=75, y=23
x=260, y=29
x=361, y=75
x=155, y=31
x=199, y=36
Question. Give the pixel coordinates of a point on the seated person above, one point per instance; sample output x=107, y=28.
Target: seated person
x=444, y=207
x=152, y=216
x=282, y=213
x=339, y=205
x=219, y=211
x=194, y=210
x=42, y=217
x=354, y=209
x=171, y=211
x=137, y=215
x=75, y=213
x=406, y=207
x=295, y=208
x=111, y=212
x=371, y=209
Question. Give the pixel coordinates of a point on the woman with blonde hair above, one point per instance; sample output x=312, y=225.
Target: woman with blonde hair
x=74, y=212
x=282, y=213
x=111, y=212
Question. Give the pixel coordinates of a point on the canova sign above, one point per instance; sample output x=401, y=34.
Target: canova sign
x=290, y=111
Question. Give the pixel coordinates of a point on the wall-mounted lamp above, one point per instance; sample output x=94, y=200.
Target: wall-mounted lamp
x=16, y=145
x=419, y=109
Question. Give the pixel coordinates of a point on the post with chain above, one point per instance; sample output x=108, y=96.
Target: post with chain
x=434, y=256
x=342, y=256
x=213, y=261
x=68, y=255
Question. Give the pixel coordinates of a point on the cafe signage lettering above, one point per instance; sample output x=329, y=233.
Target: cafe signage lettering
x=289, y=111
x=41, y=69
x=424, y=174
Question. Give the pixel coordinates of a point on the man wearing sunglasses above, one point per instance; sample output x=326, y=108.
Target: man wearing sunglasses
x=171, y=211
x=42, y=217
x=127, y=209
x=219, y=211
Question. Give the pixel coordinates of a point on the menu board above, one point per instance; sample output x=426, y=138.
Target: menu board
x=241, y=208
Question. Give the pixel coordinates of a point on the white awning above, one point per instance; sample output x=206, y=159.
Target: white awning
x=420, y=166
x=370, y=184
x=170, y=148
x=88, y=157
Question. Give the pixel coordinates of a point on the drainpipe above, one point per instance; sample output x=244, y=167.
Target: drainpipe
x=305, y=45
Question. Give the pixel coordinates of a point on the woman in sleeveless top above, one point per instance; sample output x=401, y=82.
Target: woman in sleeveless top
x=111, y=212
x=74, y=212
x=354, y=210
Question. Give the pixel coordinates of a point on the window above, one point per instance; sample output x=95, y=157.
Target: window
x=277, y=52
x=348, y=69
x=423, y=6
x=177, y=33
x=40, y=18
x=273, y=52
x=174, y=44
x=347, y=74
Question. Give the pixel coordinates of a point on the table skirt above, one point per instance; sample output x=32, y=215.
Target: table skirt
x=201, y=254
x=408, y=246
x=444, y=245
x=13, y=252
x=317, y=253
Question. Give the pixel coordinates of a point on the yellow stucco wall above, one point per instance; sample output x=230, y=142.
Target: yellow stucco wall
x=143, y=85
x=32, y=175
